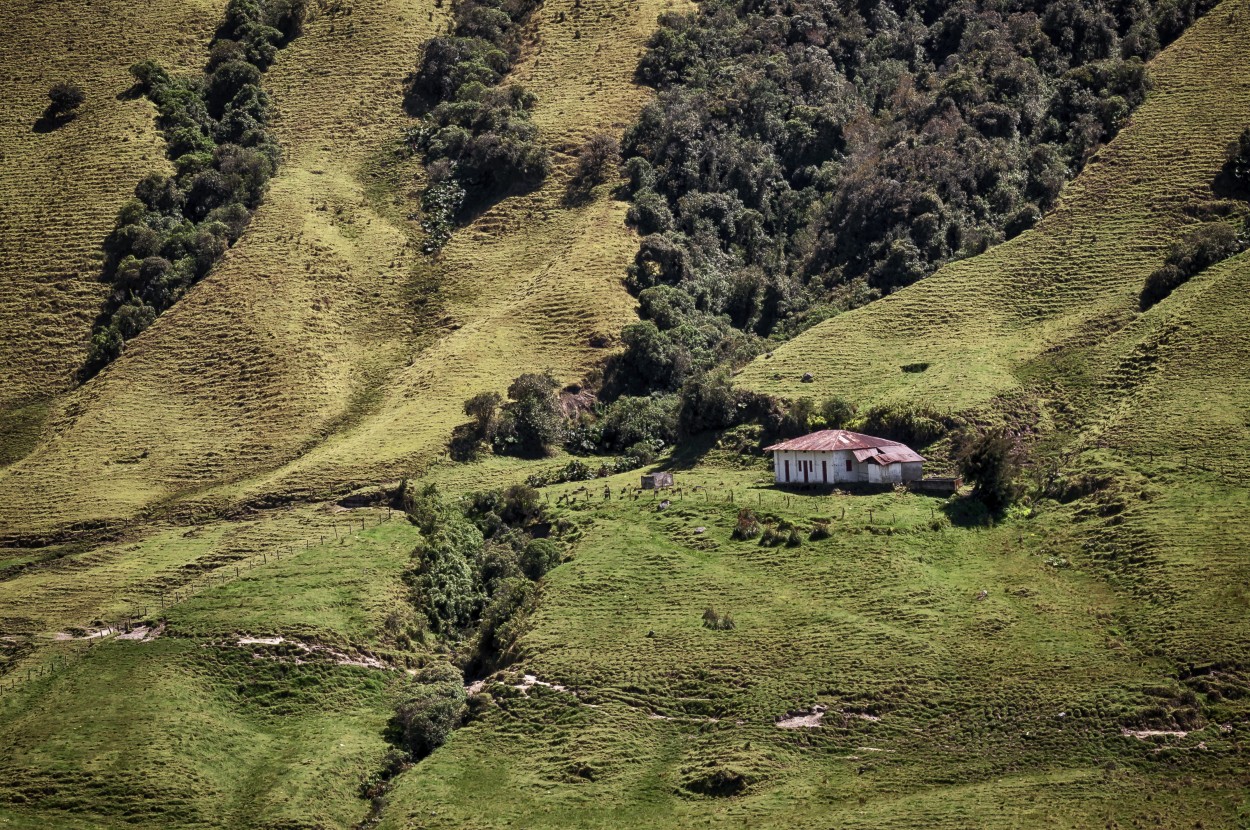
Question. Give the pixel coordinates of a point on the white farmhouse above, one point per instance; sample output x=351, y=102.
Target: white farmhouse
x=833, y=456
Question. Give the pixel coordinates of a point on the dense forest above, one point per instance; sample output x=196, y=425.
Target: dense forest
x=804, y=157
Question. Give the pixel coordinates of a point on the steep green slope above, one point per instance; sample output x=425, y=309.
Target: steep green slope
x=325, y=348
x=60, y=188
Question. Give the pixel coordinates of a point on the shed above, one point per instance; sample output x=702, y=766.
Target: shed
x=836, y=456
x=657, y=481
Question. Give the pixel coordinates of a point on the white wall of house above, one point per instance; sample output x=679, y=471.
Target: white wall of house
x=793, y=467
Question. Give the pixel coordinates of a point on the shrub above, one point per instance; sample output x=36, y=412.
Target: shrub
x=539, y=557
x=717, y=621
x=914, y=426
x=748, y=527
x=794, y=539
x=597, y=161
x=429, y=709
x=64, y=97
x=1237, y=167
x=820, y=530
x=1198, y=250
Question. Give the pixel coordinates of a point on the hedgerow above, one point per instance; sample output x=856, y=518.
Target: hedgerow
x=215, y=124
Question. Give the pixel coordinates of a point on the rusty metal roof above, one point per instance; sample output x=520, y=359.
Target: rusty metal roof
x=865, y=447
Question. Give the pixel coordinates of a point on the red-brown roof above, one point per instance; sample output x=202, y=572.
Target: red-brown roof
x=866, y=447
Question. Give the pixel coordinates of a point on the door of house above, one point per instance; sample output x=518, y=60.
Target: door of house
x=787, y=478
x=807, y=472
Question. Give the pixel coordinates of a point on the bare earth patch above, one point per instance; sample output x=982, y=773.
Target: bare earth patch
x=335, y=656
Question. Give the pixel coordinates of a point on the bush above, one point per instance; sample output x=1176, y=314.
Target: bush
x=748, y=527
x=1198, y=250
x=64, y=97
x=1237, y=167
x=914, y=426
x=597, y=161
x=429, y=709
x=540, y=557
x=717, y=621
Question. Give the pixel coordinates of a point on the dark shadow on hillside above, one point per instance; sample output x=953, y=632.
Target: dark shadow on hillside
x=966, y=511
x=53, y=121
x=689, y=453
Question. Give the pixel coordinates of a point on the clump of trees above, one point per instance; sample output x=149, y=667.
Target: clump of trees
x=216, y=131
x=530, y=423
x=1197, y=251
x=475, y=573
x=476, y=134
x=810, y=156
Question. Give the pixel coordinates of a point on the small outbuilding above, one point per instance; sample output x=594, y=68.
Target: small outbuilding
x=837, y=456
x=657, y=481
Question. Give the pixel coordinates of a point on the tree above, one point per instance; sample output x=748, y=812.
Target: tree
x=64, y=98
x=483, y=408
x=837, y=412
x=991, y=461
x=532, y=421
x=707, y=402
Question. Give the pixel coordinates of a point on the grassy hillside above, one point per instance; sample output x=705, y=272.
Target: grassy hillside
x=942, y=709
x=1080, y=663
x=326, y=348
x=1075, y=278
x=60, y=188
